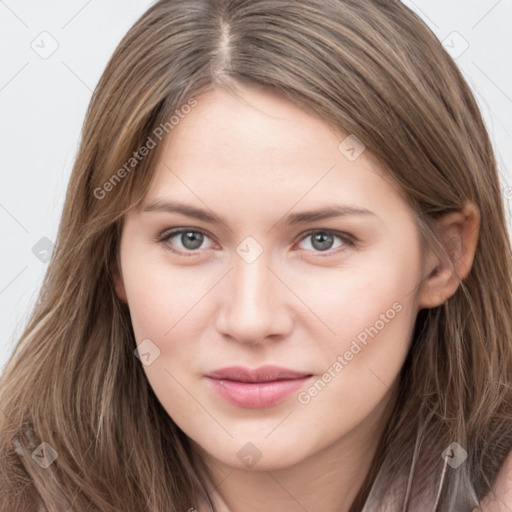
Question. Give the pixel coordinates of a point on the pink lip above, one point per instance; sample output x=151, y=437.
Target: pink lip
x=257, y=388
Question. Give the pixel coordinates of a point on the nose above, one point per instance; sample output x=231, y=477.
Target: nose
x=254, y=303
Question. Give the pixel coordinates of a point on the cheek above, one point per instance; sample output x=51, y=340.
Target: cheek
x=361, y=368
x=373, y=299
x=161, y=296
x=165, y=308
x=372, y=311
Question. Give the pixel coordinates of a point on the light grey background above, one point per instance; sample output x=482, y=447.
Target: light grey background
x=44, y=96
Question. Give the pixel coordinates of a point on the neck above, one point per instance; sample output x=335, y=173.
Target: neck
x=329, y=480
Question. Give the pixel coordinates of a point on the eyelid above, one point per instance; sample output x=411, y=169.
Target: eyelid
x=348, y=239
x=170, y=233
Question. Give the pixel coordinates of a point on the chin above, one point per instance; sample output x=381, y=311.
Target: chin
x=258, y=454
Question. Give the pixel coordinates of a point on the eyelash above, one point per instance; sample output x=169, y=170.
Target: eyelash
x=347, y=239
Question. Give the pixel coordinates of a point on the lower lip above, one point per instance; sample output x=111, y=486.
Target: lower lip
x=256, y=395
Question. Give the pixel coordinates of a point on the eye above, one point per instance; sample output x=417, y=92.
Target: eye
x=190, y=240
x=323, y=239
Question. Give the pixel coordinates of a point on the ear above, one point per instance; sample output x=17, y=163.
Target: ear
x=118, y=281
x=458, y=234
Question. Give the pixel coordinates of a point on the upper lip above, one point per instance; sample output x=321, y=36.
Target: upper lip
x=267, y=373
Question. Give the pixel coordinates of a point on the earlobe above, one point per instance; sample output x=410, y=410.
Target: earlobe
x=458, y=235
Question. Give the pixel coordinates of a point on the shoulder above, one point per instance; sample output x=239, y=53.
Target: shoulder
x=499, y=498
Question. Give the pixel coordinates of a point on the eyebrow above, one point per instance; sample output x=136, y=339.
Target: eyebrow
x=329, y=211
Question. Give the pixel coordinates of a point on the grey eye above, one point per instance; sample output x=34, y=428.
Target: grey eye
x=184, y=240
x=191, y=239
x=322, y=241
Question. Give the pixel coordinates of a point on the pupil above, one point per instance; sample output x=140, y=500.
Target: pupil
x=191, y=240
x=325, y=241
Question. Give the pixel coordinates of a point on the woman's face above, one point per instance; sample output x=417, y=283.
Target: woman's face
x=257, y=279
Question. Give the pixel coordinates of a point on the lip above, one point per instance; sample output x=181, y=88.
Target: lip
x=256, y=388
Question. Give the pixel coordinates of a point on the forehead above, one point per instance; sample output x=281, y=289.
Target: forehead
x=261, y=152
x=260, y=124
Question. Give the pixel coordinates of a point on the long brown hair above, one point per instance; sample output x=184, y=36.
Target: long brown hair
x=370, y=68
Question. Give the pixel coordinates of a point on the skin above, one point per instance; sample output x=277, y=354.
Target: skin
x=499, y=499
x=253, y=159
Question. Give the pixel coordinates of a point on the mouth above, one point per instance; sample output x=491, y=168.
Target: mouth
x=258, y=388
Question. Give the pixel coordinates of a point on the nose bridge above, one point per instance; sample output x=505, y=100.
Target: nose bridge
x=251, y=300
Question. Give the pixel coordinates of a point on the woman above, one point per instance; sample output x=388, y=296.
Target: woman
x=282, y=279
